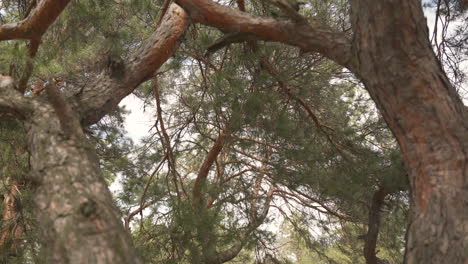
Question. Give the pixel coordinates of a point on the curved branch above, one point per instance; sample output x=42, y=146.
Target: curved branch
x=36, y=24
x=106, y=91
x=312, y=36
x=205, y=169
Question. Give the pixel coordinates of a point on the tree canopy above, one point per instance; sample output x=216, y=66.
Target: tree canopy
x=284, y=132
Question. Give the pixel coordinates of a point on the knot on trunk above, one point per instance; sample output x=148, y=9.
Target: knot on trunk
x=88, y=208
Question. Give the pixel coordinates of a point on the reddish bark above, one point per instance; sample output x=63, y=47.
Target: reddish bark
x=312, y=36
x=396, y=63
x=205, y=169
x=389, y=52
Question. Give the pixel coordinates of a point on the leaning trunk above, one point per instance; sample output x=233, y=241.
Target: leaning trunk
x=78, y=220
x=394, y=59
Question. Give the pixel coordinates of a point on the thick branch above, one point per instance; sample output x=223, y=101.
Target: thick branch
x=313, y=36
x=68, y=120
x=35, y=25
x=12, y=103
x=106, y=91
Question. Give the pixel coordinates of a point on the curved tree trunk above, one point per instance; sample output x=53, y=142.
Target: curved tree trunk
x=395, y=61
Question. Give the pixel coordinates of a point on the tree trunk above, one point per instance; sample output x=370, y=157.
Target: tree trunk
x=78, y=220
x=373, y=228
x=394, y=59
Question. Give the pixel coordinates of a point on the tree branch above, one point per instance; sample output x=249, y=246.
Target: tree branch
x=312, y=36
x=205, y=169
x=12, y=103
x=105, y=92
x=233, y=251
x=69, y=121
x=36, y=24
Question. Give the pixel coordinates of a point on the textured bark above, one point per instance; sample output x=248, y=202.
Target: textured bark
x=105, y=92
x=391, y=55
x=395, y=61
x=12, y=103
x=76, y=215
x=35, y=25
x=78, y=220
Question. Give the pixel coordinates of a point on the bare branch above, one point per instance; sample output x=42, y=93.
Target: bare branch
x=140, y=209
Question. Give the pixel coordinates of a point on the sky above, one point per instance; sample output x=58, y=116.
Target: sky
x=138, y=122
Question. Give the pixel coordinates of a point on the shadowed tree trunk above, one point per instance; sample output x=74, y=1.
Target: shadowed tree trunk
x=373, y=227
